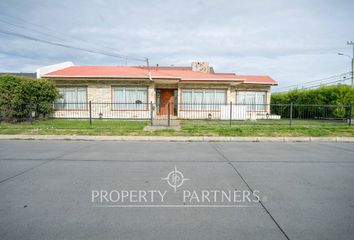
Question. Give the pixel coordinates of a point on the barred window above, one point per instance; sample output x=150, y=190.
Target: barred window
x=134, y=98
x=203, y=99
x=74, y=98
x=254, y=100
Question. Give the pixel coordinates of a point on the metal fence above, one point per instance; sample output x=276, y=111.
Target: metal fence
x=265, y=114
x=185, y=114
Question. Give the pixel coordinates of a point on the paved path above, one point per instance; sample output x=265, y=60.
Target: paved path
x=46, y=186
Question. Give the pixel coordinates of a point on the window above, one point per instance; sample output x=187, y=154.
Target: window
x=254, y=100
x=203, y=99
x=74, y=98
x=129, y=98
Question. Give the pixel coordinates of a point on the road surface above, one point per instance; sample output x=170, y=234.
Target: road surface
x=47, y=187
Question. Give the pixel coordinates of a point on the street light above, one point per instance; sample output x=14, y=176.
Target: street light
x=352, y=58
x=352, y=73
x=342, y=54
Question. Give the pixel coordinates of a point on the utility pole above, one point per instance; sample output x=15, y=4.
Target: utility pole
x=147, y=63
x=148, y=67
x=352, y=43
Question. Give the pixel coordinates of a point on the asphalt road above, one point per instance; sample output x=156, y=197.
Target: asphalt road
x=306, y=190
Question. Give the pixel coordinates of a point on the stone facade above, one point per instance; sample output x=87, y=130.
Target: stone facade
x=99, y=93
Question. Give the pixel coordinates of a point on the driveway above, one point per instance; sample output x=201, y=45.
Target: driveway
x=46, y=190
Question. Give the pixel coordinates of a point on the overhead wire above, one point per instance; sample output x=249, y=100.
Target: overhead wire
x=322, y=82
x=66, y=38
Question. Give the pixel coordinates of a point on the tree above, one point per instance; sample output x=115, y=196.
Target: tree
x=20, y=94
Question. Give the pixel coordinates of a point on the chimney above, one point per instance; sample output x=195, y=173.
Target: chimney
x=200, y=67
x=157, y=67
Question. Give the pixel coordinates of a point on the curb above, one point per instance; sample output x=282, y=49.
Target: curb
x=176, y=139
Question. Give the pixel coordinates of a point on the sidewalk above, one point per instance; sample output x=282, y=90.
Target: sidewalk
x=176, y=139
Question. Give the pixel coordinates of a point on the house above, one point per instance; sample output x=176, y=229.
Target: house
x=195, y=92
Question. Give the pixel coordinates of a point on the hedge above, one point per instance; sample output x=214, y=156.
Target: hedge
x=20, y=94
x=329, y=95
x=324, y=102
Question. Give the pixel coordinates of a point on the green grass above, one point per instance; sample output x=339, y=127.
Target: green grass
x=188, y=128
x=241, y=123
x=82, y=127
x=268, y=128
x=271, y=131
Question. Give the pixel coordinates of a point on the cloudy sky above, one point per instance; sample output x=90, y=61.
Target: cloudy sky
x=292, y=41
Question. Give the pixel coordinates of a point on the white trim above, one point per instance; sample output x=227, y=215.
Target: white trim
x=211, y=79
x=266, y=83
x=42, y=71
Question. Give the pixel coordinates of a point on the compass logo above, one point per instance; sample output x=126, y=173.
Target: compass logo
x=188, y=197
x=175, y=179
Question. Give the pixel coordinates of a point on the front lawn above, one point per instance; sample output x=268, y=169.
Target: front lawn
x=78, y=127
x=188, y=128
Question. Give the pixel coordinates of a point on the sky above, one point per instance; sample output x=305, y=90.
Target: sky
x=291, y=41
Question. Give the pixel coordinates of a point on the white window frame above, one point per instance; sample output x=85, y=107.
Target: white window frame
x=64, y=104
x=126, y=104
x=201, y=104
x=259, y=103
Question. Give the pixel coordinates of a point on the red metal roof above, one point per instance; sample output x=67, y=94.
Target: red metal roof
x=182, y=73
x=257, y=79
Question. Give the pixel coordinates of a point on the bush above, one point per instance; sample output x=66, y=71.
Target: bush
x=331, y=101
x=20, y=94
x=329, y=95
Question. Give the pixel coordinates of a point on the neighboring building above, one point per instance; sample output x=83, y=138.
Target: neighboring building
x=192, y=92
x=20, y=74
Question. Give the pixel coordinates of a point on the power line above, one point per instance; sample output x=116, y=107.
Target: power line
x=66, y=45
x=15, y=54
x=61, y=34
x=327, y=84
x=66, y=38
x=30, y=23
x=34, y=30
x=319, y=85
x=318, y=80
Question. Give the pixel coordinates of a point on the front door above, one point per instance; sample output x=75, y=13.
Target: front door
x=166, y=98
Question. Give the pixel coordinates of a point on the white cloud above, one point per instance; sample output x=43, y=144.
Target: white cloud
x=293, y=41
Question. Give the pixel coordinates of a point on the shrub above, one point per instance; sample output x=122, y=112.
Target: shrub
x=20, y=94
x=340, y=97
x=329, y=95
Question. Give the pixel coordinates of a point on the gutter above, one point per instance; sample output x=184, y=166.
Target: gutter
x=100, y=76
x=217, y=80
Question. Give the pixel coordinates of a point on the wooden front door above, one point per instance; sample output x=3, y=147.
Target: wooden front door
x=166, y=97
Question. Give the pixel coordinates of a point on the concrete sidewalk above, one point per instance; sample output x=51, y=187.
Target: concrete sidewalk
x=176, y=138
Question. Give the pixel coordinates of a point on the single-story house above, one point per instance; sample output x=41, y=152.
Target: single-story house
x=194, y=92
